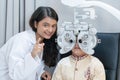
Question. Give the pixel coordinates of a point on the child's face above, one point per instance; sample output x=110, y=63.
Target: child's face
x=77, y=51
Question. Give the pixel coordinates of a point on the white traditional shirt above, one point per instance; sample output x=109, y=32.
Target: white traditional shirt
x=16, y=62
x=86, y=68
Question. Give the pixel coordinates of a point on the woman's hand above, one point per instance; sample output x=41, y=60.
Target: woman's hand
x=46, y=76
x=38, y=48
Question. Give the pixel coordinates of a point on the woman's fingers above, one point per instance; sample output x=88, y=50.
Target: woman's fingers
x=38, y=48
x=38, y=41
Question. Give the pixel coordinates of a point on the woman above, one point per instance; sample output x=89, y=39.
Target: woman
x=24, y=55
x=79, y=66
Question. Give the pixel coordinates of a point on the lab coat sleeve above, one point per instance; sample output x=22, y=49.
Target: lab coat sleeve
x=57, y=75
x=39, y=74
x=21, y=63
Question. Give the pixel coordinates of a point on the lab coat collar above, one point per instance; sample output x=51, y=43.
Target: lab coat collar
x=32, y=36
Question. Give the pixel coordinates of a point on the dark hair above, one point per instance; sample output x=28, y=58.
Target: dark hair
x=50, y=49
x=41, y=13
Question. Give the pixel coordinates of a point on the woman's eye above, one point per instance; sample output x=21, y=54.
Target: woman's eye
x=45, y=25
x=54, y=26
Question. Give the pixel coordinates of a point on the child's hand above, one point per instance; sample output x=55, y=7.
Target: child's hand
x=46, y=76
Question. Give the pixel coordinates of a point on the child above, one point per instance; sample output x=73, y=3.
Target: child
x=79, y=66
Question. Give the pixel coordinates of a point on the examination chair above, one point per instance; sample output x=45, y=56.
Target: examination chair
x=108, y=51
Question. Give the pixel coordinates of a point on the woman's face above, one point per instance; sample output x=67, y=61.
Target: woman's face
x=46, y=28
x=77, y=51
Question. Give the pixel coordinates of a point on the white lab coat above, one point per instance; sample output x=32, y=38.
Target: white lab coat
x=16, y=62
